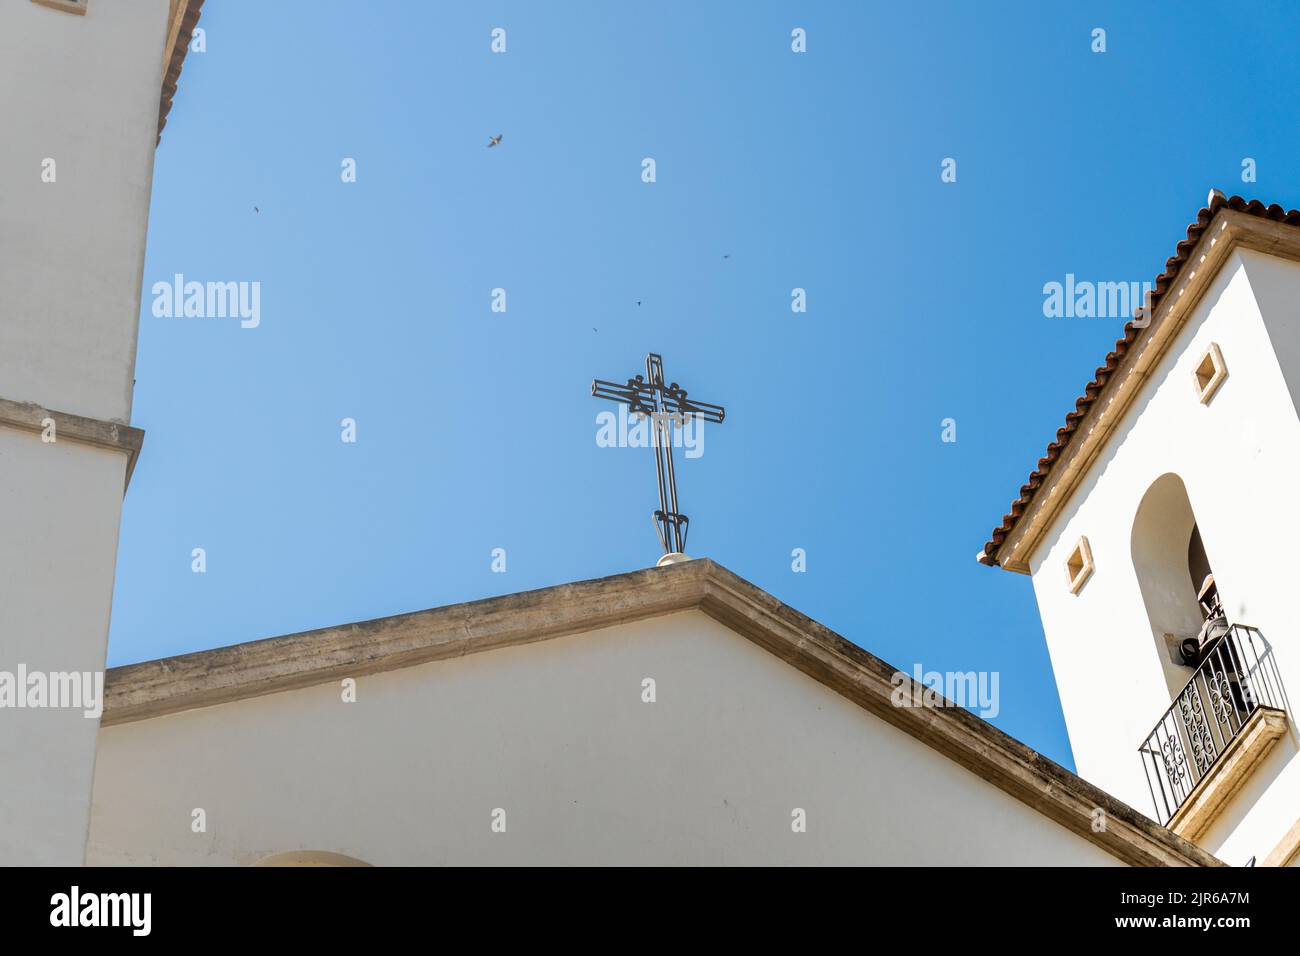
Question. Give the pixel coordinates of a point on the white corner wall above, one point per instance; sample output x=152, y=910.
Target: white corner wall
x=60, y=504
x=82, y=91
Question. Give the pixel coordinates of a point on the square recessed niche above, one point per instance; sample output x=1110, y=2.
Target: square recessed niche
x=1078, y=566
x=1209, y=373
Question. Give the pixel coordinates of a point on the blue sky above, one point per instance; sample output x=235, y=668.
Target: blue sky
x=476, y=430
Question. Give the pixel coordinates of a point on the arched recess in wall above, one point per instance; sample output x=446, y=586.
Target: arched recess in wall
x=1167, y=555
x=309, y=858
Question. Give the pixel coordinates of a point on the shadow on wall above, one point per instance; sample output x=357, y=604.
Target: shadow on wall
x=1171, y=566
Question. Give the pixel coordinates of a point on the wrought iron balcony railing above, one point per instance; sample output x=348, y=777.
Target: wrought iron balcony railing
x=1236, y=677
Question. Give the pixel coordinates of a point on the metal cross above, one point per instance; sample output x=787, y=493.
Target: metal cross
x=666, y=405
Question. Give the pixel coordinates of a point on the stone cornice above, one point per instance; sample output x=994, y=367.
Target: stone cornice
x=28, y=416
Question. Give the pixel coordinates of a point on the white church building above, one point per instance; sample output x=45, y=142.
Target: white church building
x=670, y=715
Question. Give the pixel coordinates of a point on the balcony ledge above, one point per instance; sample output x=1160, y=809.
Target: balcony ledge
x=1255, y=739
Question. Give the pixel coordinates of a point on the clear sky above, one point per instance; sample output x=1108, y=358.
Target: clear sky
x=775, y=170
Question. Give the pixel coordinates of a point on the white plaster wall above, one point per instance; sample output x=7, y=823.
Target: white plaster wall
x=556, y=734
x=1275, y=283
x=60, y=504
x=1243, y=493
x=82, y=90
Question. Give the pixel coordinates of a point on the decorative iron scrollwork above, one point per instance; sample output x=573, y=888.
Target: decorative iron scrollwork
x=1203, y=752
x=1221, y=704
x=1175, y=763
x=1228, y=685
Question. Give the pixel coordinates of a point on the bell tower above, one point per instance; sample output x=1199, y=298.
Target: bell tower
x=1160, y=530
x=82, y=95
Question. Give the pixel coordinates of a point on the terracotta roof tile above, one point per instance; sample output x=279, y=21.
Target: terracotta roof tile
x=173, y=74
x=1164, y=281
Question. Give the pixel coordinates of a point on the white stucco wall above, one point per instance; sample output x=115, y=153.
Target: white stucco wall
x=83, y=91
x=1238, y=457
x=557, y=735
x=60, y=504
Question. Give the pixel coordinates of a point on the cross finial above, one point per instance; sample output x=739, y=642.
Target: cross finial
x=666, y=405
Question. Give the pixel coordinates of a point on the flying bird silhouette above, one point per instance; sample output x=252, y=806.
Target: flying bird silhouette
x=494, y=140
x=255, y=209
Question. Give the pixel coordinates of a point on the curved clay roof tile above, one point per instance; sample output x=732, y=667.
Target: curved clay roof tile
x=1093, y=389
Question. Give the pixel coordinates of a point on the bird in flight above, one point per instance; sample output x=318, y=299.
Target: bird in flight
x=255, y=209
x=494, y=140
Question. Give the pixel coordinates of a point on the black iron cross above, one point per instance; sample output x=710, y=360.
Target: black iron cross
x=666, y=405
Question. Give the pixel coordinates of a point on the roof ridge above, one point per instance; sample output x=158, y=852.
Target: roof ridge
x=223, y=675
